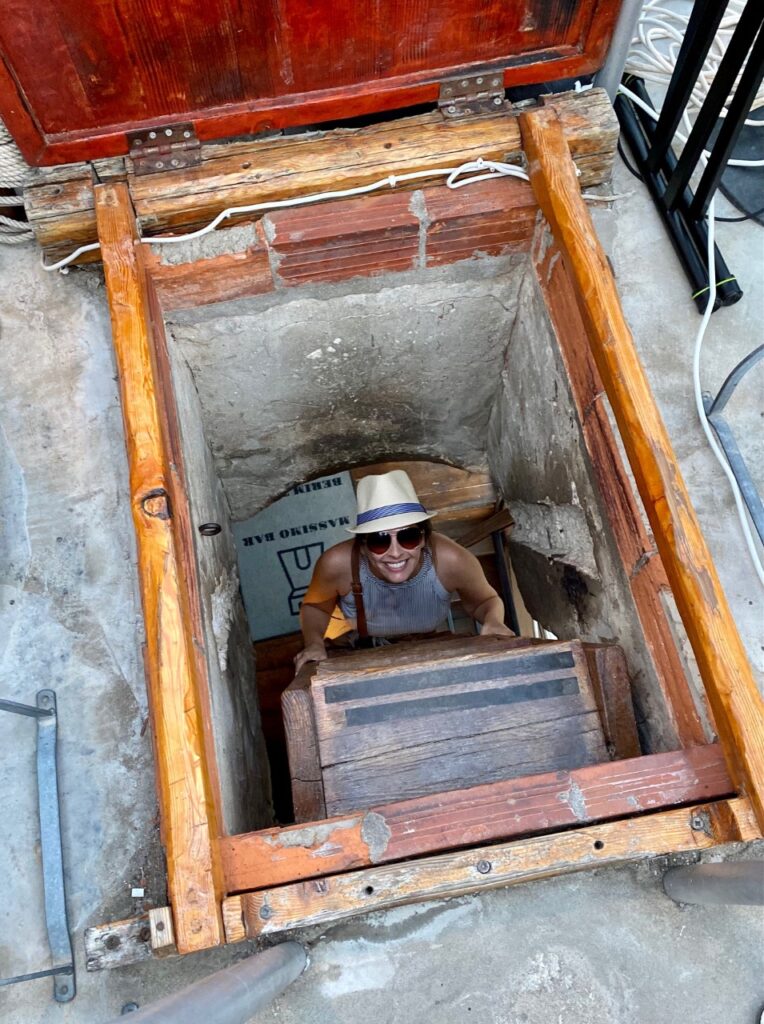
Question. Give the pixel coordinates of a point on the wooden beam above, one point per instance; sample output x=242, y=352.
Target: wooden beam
x=636, y=550
x=612, y=691
x=242, y=173
x=480, y=814
x=326, y=900
x=735, y=701
x=186, y=801
x=501, y=520
x=118, y=943
x=162, y=932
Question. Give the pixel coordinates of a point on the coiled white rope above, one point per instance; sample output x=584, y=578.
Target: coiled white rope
x=14, y=173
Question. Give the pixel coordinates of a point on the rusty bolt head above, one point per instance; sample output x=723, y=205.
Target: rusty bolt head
x=265, y=912
x=112, y=942
x=144, y=934
x=484, y=867
x=160, y=926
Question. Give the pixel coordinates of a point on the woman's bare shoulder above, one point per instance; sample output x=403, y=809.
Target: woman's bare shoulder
x=451, y=559
x=335, y=561
x=446, y=548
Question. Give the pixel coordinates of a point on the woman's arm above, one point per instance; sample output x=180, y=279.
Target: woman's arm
x=320, y=600
x=459, y=570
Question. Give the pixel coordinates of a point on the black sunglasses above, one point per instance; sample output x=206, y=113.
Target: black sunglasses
x=408, y=538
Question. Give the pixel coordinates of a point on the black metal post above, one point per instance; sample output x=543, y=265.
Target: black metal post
x=732, y=125
x=701, y=28
x=728, y=289
x=678, y=231
x=724, y=80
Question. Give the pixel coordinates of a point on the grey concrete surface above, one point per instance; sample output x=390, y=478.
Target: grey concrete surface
x=604, y=947
x=599, y=948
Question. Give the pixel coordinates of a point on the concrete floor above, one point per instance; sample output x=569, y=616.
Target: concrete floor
x=596, y=948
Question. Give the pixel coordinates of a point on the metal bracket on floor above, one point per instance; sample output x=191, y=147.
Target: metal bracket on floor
x=714, y=408
x=62, y=972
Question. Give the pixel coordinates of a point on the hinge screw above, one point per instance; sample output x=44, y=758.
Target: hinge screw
x=266, y=912
x=697, y=823
x=484, y=867
x=452, y=110
x=497, y=101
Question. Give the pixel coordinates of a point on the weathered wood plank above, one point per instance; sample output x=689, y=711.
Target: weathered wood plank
x=233, y=920
x=551, y=745
x=612, y=691
x=413, y=654
x=481, y=814
x=389, y=728
x=162, y=932
x=186, y=800
x=641, y=562
x=737, y=706
x=118, y=943
x=302, y=746
x=242, y=173
x=326, y=900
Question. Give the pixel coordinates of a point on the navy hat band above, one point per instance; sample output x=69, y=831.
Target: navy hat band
x=390, y=510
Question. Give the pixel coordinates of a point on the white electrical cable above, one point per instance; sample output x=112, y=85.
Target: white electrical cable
x=707, y=430
x=494, y=168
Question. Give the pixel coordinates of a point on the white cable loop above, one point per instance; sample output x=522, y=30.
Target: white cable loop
x=495, y=169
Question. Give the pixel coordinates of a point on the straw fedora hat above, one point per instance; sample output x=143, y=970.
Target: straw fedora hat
x=387, y=502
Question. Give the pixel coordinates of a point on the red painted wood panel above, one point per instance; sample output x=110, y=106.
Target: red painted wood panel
x=89, y=72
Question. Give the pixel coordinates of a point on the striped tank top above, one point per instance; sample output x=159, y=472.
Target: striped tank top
x=418, y=605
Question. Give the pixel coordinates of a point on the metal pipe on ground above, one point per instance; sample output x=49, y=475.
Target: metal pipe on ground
x=230, y=996
x=609, y=76
x=740, y=883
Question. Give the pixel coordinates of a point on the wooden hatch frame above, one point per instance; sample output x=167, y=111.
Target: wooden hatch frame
x=224, y=888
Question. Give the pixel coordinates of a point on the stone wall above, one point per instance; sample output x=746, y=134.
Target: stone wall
x=294, y=385
x=239, y=745
x=562, y=549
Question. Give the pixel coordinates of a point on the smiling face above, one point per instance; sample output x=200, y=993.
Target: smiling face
x=397, y=564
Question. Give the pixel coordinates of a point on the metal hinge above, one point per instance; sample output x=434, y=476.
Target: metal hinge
x=167, y=148
x=472, y=94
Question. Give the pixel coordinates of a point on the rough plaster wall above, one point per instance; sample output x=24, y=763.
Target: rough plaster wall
x=239, y=745
x=70, y=616
x=562, y=551
x=295, y=384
